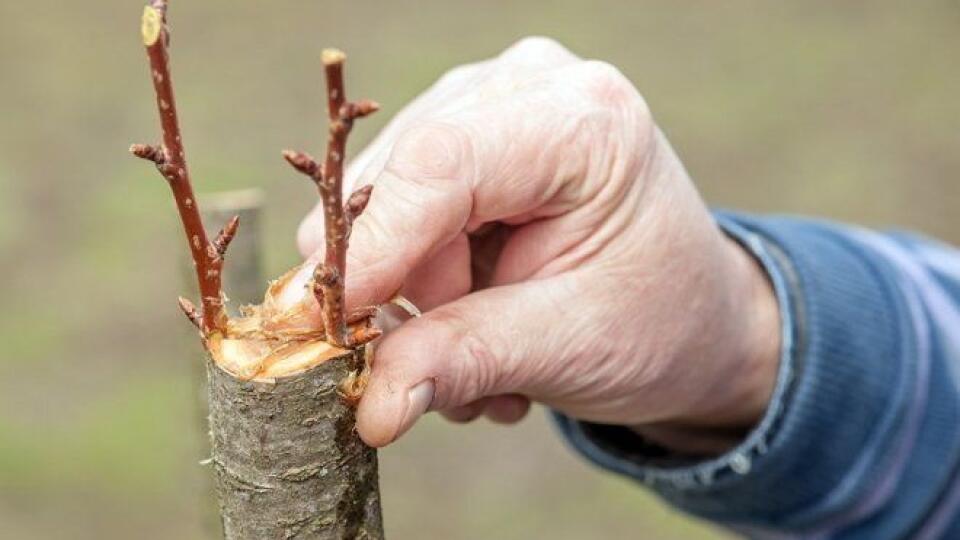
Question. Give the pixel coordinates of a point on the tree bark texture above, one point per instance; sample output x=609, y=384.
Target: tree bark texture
x=287, y=460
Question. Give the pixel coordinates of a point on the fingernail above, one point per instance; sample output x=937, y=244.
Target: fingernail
x=419, y=399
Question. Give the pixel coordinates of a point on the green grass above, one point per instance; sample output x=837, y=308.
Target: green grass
x=125, y=443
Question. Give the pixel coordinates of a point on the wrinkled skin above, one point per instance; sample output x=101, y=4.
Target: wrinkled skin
x=600, y=285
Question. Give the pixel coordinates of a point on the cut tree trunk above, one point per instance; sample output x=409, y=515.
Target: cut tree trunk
x=288, y=461
x=281, y=384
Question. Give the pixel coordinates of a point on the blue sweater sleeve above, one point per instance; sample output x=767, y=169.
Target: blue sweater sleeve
x=862, y=436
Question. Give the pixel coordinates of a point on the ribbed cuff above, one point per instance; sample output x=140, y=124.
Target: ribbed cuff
x=841, y=397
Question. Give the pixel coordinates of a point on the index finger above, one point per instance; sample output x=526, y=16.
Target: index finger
x=512, y=160
x=540, y=152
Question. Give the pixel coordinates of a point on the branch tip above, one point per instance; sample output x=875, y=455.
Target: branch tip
x=359, y=109
x=303, y=163
x=151, y=24
x=222, y=242
x=190, y=311
x=148, y=152
x=357, y=202
x=332, y=56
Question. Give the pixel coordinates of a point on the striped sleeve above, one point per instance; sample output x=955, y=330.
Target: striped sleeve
x=862, y=437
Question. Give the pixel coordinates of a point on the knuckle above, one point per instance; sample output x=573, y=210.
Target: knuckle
x=608, y=86
x=535, y=48
x=433, y=150
x=603, y=74
x=483, y=362
x=475, y=364
x=534, y=44
x=458, y=75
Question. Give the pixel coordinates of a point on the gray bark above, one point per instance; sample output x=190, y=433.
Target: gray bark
x=287, y=460
x=244, y=282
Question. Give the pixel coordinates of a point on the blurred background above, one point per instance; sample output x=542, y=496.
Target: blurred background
x=841, y=109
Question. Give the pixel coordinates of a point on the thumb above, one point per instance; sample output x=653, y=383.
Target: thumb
x=502, y=340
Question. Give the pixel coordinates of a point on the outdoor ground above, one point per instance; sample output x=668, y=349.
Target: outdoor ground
x=845, y=110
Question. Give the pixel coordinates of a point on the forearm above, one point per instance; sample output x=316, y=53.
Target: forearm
x=863, y=406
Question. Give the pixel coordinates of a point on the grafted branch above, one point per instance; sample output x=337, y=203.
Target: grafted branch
x=171, y=161
x=286, y=458
x=328, y=278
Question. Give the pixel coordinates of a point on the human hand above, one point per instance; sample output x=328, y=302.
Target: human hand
x=531, y=207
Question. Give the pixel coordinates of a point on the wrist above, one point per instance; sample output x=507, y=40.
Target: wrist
x=757, y=359
x=745, y=362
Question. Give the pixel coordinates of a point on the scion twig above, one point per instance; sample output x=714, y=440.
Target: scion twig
x=171, y=161
x=328, y=278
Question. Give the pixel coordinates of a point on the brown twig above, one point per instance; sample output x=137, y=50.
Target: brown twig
x=190, y=311
x=225, y=236
x=338, y=218
x=171, y=162
x=364, y=333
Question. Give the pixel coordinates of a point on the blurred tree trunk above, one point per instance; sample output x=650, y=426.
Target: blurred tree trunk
x=244, y=281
